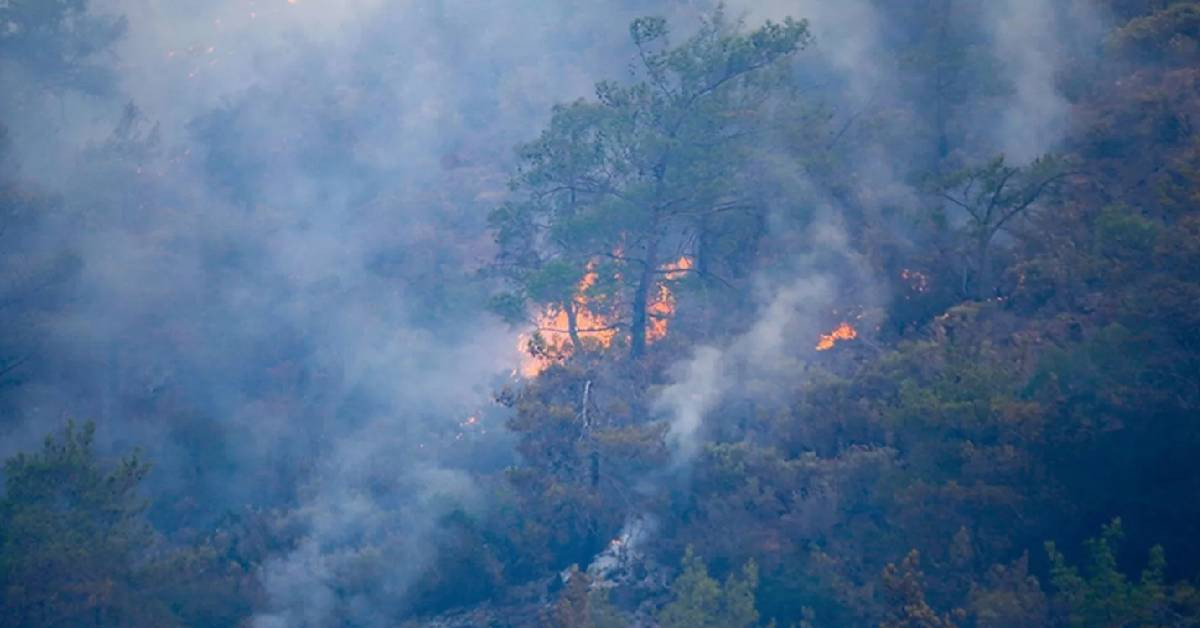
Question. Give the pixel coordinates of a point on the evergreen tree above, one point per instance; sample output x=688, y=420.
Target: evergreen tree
x=72, y=537
x=625, y=185
x=1104, y=596
x=699, y=600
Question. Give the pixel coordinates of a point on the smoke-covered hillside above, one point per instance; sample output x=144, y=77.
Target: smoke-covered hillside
x=677, y=313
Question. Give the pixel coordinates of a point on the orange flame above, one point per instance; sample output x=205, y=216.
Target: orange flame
x=678, y=269
x=551, y=338
x=658, y=313
x=662, y=308
x=843, y=332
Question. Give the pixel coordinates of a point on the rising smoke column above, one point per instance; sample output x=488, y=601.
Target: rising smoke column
x=794, y=311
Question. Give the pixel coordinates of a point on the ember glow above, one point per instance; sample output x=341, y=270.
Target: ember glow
x=551, y=339
x=916, y=280
x=842, y=332
x=678, y=269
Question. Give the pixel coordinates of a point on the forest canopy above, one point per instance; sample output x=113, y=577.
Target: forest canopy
x=596, y=315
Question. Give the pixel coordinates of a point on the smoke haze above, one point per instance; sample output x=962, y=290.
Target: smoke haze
x=261, y=258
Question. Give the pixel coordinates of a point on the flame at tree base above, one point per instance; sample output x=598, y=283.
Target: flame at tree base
x=550, y=341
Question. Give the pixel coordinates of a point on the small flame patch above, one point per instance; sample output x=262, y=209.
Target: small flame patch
x=845, y=331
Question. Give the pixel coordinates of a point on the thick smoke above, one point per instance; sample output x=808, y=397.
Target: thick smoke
x=275, y=250
x=263, y=271
x=1028, y=37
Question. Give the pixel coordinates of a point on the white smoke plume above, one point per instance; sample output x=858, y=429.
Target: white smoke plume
x=784, y=331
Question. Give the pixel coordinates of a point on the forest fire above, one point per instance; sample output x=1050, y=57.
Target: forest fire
x=662, y=308
x=551, y=338
x=677, y=269
x=843, y=331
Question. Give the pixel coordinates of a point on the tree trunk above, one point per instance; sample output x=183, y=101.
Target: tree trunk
x=983, y=269
x=637, y=328
x=572, y=324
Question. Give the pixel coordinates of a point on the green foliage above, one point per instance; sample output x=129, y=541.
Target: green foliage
x=71, y=535
x=1124, y=234
x=467, y=571
x=509, y=307
x=620, y=180
x=698, y=600
x=554, y=282
x=569, y=496
x=991, y=196
x=1008, y=596
x=1172, y=31
x=603, y=613
x=1075, y=362
x=1104, y=596
x=1045, y=369
x=905, y=587
x=75, y=549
